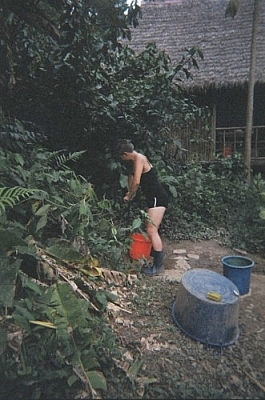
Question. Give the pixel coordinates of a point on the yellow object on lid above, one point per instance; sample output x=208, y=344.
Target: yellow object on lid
x=214, y=296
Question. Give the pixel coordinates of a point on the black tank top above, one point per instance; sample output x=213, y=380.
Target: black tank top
x=150, y=184
x=154, y=192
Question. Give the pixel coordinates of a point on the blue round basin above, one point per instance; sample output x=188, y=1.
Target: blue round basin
x=211, y=322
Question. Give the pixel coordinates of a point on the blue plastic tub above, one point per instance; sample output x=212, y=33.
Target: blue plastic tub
x=210, y=322
x=238, y=270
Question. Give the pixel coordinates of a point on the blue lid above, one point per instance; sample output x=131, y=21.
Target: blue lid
x=199, y=282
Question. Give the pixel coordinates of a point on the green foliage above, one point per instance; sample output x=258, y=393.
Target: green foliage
x=55, y=215
x=9, y=269
x=245, y=225
x=84, y=88
x=209, y=189
x=61, y=204
x=259, y=185
x=61, y=343
x=212, y=199
x=61, y=52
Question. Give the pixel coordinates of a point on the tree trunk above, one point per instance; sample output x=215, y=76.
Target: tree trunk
x=251, y=86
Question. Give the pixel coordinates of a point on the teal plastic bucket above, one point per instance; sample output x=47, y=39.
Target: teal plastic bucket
x=238, y=269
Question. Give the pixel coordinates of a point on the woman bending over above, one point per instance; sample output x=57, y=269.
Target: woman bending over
x=144, y=176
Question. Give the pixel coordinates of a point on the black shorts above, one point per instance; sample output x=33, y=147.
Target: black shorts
x=159, y=200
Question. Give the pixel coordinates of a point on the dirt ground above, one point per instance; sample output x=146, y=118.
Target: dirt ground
x=160, y=361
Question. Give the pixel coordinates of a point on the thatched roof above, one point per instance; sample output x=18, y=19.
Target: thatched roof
x=225, y=42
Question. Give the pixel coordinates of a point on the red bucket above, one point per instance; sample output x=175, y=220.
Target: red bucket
x=140, y=246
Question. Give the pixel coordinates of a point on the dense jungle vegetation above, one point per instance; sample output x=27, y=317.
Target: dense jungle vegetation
x=70, y=89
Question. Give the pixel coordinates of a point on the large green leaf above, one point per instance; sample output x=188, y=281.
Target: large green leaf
x=72, y=316
x=42, y=223
x=97, y=380
x=70, y=306
x=64, y=253
x=43, y=210
x=9, y=240
x=8, y=275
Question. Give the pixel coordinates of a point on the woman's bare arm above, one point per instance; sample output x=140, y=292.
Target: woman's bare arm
x=134, y=180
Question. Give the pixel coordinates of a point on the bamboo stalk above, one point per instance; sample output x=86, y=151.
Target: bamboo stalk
x=255, y=381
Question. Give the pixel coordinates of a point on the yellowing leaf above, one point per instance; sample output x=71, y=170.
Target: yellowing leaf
x=94, y=262
x=35, y=206
x=93, y=271
x=45, y=324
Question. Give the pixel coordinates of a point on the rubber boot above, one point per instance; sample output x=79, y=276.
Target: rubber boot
x=152, y=252
x=158, y=267
x=149, y=262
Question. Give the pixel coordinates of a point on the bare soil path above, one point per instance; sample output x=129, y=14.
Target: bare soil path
x=161, y=362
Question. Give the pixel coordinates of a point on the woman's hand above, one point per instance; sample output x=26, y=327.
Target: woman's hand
x=127, y=197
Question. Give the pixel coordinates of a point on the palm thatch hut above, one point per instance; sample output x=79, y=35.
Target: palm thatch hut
x=222, y=79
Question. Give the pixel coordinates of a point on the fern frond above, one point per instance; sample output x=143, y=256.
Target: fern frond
x=62, y=159
x=12, y=196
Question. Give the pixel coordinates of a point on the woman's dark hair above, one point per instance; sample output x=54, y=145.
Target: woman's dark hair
x=124, y=146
